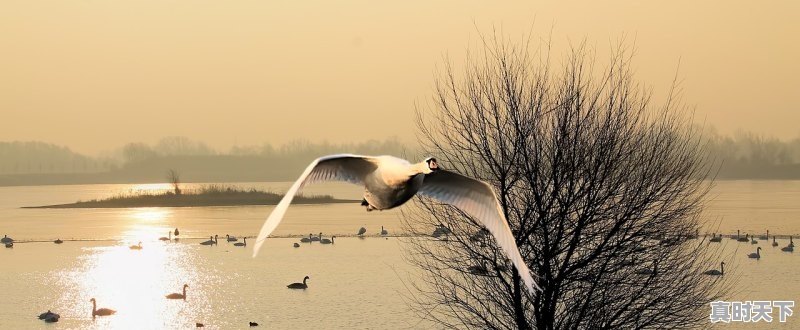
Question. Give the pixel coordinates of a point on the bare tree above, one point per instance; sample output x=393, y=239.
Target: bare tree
x=175, y=180
x=602, y=190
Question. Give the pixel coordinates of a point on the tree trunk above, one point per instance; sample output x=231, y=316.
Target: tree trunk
x=519, y=311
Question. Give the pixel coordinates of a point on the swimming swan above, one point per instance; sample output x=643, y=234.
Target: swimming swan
x=306, y=239
x=299, y=285
x=715, y=272
x=47, y=314
x=178, y=295
x=6, y=239
x=242, y=243
x=715, y=239
x=756, y=255
x=168, y=238
x=790, y=247
x=327, y=241
x=101, y=311
x=361, y=231
x=136, y=247
x=230, y=238
x=390, y=182
x=211, y=240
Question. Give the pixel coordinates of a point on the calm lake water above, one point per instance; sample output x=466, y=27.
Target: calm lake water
x=356, y=283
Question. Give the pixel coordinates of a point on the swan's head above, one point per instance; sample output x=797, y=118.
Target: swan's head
x=306, y=278
x=92, y=300
x=432, y=164
x=185, y=286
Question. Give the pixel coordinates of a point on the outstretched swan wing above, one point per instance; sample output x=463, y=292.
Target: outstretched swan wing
x=345, y=167
x=477, y=199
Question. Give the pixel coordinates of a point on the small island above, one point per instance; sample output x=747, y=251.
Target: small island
x=211, y=195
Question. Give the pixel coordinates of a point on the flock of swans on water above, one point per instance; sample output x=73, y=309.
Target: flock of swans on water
x=390, y=182
x=50, y=317
x=747, y=238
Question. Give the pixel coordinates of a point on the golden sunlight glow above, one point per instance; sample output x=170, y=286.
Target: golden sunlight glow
x=151, y=214
x=151, y=188
x=134, y=283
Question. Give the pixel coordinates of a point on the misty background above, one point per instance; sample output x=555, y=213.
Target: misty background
x=95, y=75
x=743, y=155
x=93, y=88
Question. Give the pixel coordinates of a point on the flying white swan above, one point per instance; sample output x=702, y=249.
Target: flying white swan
x=390, y=182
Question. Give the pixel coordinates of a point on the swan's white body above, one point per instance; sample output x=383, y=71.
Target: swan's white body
x=390, y=182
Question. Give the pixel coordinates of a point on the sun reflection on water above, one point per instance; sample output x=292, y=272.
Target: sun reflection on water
x=135, y=282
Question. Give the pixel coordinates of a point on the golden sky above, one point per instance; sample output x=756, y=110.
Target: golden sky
x=94, y=74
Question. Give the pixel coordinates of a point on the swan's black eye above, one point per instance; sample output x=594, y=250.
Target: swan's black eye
x=432, y=164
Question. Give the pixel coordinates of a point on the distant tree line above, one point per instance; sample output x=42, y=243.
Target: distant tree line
x=746, y=155
x=743, y=155
x=22, y=157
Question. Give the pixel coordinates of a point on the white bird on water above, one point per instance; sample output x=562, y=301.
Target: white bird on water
x=390, y=182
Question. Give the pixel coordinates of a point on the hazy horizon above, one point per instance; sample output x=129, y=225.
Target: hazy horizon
x=96, y=75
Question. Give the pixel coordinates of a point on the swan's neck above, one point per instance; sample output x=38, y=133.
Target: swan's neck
x=722, y=269
x=304, y=281
x=420, y=168
x=94, y=307
x=184, y=292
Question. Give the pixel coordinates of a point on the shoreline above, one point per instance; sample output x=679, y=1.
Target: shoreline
x=208, y=195
x=101, y=205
